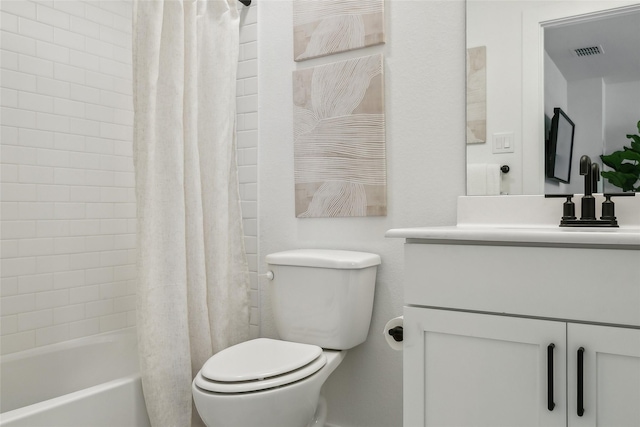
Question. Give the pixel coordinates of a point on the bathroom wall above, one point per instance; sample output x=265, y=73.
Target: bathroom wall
x=425, y=117
x=504, y=81
x=68, y=202
x=622, y=112
x=555, y=95
x=247, y=148
x=586, y=105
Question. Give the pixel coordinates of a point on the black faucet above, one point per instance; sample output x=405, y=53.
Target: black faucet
x=590, y=184
x=591, y=173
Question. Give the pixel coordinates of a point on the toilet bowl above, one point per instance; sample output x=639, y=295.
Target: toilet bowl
x=265, y=383
x=322, y=304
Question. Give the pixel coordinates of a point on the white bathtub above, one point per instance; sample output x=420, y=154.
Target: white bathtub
x=92, y=381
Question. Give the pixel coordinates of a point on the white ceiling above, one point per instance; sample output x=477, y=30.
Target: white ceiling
x=619, y=37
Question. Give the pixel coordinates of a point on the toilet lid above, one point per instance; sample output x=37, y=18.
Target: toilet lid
x=259, y=364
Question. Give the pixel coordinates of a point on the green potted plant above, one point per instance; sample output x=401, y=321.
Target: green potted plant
x=625, y=164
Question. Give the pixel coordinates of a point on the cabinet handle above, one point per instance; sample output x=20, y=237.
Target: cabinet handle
x=550, y=403
x=580, y=381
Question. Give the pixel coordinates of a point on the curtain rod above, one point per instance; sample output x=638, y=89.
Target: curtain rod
x=245, y=2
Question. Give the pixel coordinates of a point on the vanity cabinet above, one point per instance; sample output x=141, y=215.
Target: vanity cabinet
x=611, y=358
x=471, y=369
x=492, y=332
x=468, y=369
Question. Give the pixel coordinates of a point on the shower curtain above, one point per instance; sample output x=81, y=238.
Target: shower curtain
x=192, y=271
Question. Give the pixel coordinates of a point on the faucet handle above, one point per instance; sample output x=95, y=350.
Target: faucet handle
x=568, y=207
x=555, y=196
x=627, y=194
x=608, y=208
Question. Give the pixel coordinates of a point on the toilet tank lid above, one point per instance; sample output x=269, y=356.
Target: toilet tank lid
x=324, y=258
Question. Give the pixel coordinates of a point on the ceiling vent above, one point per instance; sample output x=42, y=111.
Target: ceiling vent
x=588, y=51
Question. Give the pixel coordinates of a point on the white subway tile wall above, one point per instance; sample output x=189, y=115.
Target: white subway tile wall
x=68, y=218
x=247, y=148
x=68, y=198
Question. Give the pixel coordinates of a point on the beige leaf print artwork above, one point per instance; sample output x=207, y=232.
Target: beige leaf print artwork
x=323, y=27
x=339, y=139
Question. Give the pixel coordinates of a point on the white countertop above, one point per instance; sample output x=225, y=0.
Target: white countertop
x=529, y=220
x=623, y=237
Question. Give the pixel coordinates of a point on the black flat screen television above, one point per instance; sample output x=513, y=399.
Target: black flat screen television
x=560, y=147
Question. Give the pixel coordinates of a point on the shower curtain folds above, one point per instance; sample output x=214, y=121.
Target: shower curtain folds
x=193, y=284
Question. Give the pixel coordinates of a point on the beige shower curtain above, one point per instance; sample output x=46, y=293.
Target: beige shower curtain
x=192, y=271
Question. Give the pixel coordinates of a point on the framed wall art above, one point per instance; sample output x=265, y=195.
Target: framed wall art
x=323, y=27
x=339, y=139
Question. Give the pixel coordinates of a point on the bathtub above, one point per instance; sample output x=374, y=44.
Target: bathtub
x=92, y=381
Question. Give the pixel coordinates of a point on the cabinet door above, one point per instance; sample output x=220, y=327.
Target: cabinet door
x=466, y=369
x=611, y=376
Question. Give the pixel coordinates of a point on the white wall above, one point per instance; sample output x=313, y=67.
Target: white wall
x=68, y=202
x=555, y=88
x=586, y=109
x=425, y=114
x=247, y=147
x=622, y=112
x=504, y=81
x=555, y=95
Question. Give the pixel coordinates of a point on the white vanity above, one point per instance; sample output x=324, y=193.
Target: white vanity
x=522, y=324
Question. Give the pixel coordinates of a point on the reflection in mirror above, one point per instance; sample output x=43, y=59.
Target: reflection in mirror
x=521, y=80
x=559, y=149
x=592, y=68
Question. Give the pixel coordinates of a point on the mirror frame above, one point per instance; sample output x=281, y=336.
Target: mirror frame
x=533, y=23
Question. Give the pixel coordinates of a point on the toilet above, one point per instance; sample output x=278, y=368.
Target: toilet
x=322, y=302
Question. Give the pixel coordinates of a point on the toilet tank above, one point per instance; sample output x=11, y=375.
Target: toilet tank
x=323, y=297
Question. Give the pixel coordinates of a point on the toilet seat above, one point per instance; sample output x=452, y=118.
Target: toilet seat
x=259, y=364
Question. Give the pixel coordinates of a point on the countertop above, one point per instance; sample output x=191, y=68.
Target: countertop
x=622, y=238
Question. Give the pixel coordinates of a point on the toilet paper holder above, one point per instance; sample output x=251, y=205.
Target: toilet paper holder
x=397, y=333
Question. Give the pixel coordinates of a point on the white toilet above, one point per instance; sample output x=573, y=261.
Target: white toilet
x=322, y=302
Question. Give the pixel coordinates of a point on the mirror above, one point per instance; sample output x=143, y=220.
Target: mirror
x=524, y=59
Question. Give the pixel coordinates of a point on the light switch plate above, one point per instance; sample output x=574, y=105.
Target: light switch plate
x=503, y=142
